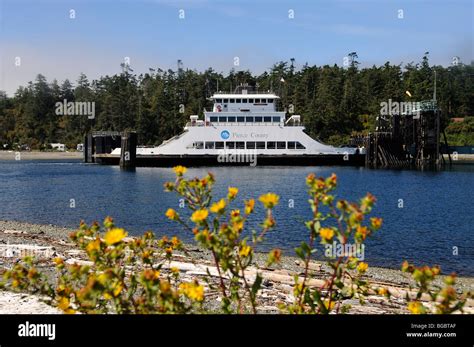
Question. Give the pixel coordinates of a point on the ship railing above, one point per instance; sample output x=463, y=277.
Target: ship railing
x=253, y=92
x=210, y=124
x=244, y=114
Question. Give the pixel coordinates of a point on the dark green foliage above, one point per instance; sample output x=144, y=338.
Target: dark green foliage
x=334, y=102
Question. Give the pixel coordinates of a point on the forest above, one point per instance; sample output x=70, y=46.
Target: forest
x=334, y=101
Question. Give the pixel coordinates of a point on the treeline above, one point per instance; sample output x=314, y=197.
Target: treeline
x=334, y=101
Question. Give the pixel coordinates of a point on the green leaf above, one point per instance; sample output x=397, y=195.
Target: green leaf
x=300, y=253
x=256, y=285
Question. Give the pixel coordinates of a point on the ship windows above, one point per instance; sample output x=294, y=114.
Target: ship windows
x=276, y=119
x=250, y=101
x=270, y=101
x=249, y=145
x=267, y=119
x=213, y=119
x=219, y=101
x=223, y=119
x=232, y=101
x=258, y=119
x=238, y=101
x=244, y=101
x=295, y=145
x=257, y=101
x=299, y=146
x=231, y=119
x=263, y=101
x=240, y=119
x=226, y=101
x=249, y=119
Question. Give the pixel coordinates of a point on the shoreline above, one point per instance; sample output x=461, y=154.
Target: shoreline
x=10, y=155
x=279, y=278
x=34, y=155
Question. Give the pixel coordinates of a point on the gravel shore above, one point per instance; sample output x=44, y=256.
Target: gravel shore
x=14, y=155
x=277, y=286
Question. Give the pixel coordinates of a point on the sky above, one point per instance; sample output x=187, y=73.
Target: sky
x=39, y=36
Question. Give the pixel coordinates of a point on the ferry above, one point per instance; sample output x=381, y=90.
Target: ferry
x=243, y=128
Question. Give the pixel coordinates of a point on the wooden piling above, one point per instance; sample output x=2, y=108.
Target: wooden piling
x=128, y=152
x=89, y=148
x=85, y=148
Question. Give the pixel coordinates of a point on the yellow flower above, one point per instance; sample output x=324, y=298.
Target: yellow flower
x=361, y=232
x=416, y=307
x=58, y=261
x=175, y=241
x=193, y=291
x=150, y=275
x=326, y=233
x=235, y=213
x=102, y=279
x=238, y=225
x=118, y=289
x=362, y=267
x=329, y=306
x=199, y=215
x=232, y=193
x=382, y=291
x=376, y=222
x=63, y=303
x=93, y=246
x=245, y=251
x=218, y=207
x=179, y=170
x=172, y=214
x=114, y=236
x=269, y=200
x=249, y=206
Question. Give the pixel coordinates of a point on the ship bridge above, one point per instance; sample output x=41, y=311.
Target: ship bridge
x=244, y=107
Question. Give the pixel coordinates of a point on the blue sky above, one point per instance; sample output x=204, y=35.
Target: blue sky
x=212, y=33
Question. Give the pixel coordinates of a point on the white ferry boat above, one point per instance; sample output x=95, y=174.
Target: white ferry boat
x=243, y=128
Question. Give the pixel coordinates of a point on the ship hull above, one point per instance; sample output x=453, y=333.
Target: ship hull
x=260, y=160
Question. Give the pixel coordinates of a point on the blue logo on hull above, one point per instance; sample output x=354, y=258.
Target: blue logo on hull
x=225, y=134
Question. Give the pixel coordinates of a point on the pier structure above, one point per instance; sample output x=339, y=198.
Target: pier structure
x=408, y=140
x=99, y=143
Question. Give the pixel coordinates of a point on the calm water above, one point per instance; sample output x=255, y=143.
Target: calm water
x=438, y=211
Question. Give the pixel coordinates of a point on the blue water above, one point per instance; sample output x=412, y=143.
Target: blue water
x=438, y=211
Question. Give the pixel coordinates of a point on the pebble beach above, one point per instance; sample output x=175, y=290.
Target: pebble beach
x=277, y=284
